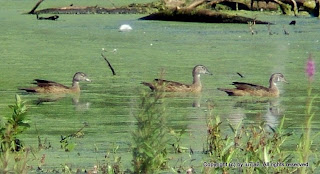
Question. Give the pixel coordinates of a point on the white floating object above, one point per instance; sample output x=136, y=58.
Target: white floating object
x=125, y=27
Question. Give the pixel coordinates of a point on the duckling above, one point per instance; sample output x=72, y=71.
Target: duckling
x=45, y=86
x=248, y=89
x=171, y=86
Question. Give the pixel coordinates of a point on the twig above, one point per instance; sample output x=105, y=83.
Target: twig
x=114, y=73
x=35, y=7
x=269, y=30
x=74, y=134
x=285, y=31
x=240, y=75
x=251, y=24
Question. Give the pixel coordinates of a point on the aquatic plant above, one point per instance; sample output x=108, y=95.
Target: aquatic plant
x=260, y=148
x=177, y=135
x=304, y=147
x=66, y=141
x=112, y=164
x=16, y=124
x=66, y=144
x=246, y=149
x=220, y=148
x=149, y=139
x=263, y=149
x=13, y=156
x=310, y=69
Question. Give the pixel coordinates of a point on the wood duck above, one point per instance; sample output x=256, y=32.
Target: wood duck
x=248, y=89
x=45, y=86
x=171, y=86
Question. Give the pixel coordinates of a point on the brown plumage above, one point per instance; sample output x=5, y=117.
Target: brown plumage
x=248, y=89
x=46, y=86
x=171, y=86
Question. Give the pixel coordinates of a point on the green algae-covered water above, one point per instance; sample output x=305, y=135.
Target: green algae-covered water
x=55, y=50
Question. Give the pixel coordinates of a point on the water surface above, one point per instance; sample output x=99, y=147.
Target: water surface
x=55, y=50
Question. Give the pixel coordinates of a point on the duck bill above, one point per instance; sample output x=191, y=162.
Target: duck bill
x=285, y=81
x=88, y=80
x=208, y=72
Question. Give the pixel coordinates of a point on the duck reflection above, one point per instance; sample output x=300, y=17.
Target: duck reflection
x=274, y=113
x=78, y=104
x=270, y=112
x=195, y=98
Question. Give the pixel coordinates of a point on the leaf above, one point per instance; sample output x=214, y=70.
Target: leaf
x=70, y=147
x=265, y=154
x=227, y=148
x=18, y=98
x=232, y=129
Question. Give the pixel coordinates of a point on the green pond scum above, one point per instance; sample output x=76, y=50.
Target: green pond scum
x=117, y=125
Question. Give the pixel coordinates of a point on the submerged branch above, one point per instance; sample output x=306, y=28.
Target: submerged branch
x=53, y=18
x=113, y=72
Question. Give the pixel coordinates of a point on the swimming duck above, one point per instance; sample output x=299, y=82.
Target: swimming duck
x=248, y=89
x=171, y=86
x=45, y=86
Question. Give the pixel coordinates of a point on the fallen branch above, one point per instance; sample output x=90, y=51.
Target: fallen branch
x=246, y=5
x=295, y=7
x=196, y=3
x=208, y=16
x=114, y=73
x=35, y=7
x=286, y=8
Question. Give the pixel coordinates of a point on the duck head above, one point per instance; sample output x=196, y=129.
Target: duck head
x=80, y=76
x=200, y=69
x=277, y=77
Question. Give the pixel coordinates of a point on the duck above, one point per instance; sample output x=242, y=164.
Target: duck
x=248, y=89
x=46, y=86
x=172, y=86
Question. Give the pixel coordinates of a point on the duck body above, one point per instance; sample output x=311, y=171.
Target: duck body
x=46, y=86
x=248, y=89
x=172, y=86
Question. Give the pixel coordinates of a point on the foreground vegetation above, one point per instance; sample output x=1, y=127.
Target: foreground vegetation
x=247, y=149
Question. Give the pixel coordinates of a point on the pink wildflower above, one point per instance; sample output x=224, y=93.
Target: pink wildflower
x=310, y=68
